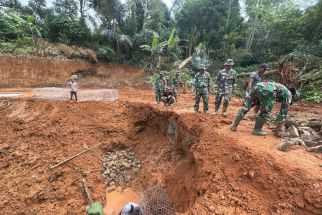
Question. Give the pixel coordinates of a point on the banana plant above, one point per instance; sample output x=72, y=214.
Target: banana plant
x=28, y=23
x=156, y=49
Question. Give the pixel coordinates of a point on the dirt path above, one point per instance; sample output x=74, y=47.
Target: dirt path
x=210, y=171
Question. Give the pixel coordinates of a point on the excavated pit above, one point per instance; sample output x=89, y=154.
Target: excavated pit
x=138, y=153
x=202, y=171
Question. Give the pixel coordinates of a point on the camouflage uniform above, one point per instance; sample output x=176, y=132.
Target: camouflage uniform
x=168, y=97
x=95, y=208
x=256, y=78
x=265, y=94
x=226, y=82
x=159, y=86
x=202, y=88
x=176, y=81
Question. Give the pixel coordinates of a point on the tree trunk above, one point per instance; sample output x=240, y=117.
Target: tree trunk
x=252, y=32
x=145, y=13
x=229, y=13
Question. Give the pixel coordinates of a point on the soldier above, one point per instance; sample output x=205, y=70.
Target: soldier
x=131, y=208
x=176, y=81
x=202, y=87
x=168, y=97
x=159, y=86
x=256, y=77
x=266, y=94
x=226, y=82
x=95, y=208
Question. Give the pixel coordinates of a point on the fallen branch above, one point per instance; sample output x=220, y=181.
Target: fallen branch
x=82, y=152
x=272, y=72
x=183, y=63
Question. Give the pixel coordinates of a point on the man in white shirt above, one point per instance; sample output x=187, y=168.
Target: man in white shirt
x=131, y=209
x=73, y=89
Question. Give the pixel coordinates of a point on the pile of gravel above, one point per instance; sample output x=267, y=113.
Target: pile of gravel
x=119, y=167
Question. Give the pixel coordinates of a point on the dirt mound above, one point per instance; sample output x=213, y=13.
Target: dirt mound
x=203, y=168
x=42, y=72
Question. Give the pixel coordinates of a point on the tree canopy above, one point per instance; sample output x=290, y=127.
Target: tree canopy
x=148, y=33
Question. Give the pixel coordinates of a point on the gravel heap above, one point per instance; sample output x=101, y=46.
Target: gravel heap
x=119, y=167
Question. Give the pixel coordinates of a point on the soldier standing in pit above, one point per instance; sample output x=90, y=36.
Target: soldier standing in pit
x=159, y=86
x=266, y=94
x=176, y=81
x=226, y=82
x=201, y=86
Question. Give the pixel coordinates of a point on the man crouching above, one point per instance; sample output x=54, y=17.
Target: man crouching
x=168, y=97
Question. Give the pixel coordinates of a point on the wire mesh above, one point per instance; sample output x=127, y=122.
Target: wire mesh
x=56, y=93
x=155, y=201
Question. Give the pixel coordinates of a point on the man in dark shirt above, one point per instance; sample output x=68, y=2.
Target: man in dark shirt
x=167, y=97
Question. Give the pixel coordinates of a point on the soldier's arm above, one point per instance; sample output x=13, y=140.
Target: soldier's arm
x=194, y=83
x=249, y=86
x=235, y=81
x=282, y=114
x=218, y=78
x=208, y=82
x=155, y=83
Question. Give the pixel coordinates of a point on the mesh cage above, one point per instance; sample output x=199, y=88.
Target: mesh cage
x=155, y=201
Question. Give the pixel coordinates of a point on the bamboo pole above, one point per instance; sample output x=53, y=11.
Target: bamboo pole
x=71, y=158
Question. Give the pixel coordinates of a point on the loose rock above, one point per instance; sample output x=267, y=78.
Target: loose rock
x=293, y=131
x=251, y=174
x=118, y=166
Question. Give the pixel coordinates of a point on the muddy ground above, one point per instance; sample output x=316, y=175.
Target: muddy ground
x=206, y=170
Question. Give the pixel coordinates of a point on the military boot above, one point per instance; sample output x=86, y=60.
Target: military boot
x=233, y=127
x=258, y=127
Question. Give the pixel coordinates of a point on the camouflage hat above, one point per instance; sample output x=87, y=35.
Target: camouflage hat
x=229, y=62
x=202, y=67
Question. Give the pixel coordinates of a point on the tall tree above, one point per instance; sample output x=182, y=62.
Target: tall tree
x=38, y=7
x=206, y=21
x=111, y=13
x=67, y=7
x=83, y=6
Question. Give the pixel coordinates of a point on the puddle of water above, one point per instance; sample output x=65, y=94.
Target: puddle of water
x=116, y=200
x=10, y=94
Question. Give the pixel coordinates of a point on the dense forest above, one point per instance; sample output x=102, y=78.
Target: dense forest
x=147, y=33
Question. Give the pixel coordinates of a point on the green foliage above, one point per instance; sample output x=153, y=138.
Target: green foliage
x=61, y=28
x=38, y=8
x=66, y=7
x=104, y=53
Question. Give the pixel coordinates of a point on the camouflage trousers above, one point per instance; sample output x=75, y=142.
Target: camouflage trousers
x=158, y=95
x=175, y=92
x=265, y=101
x=168, y=100
x=201, y=93
x=222, y=94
